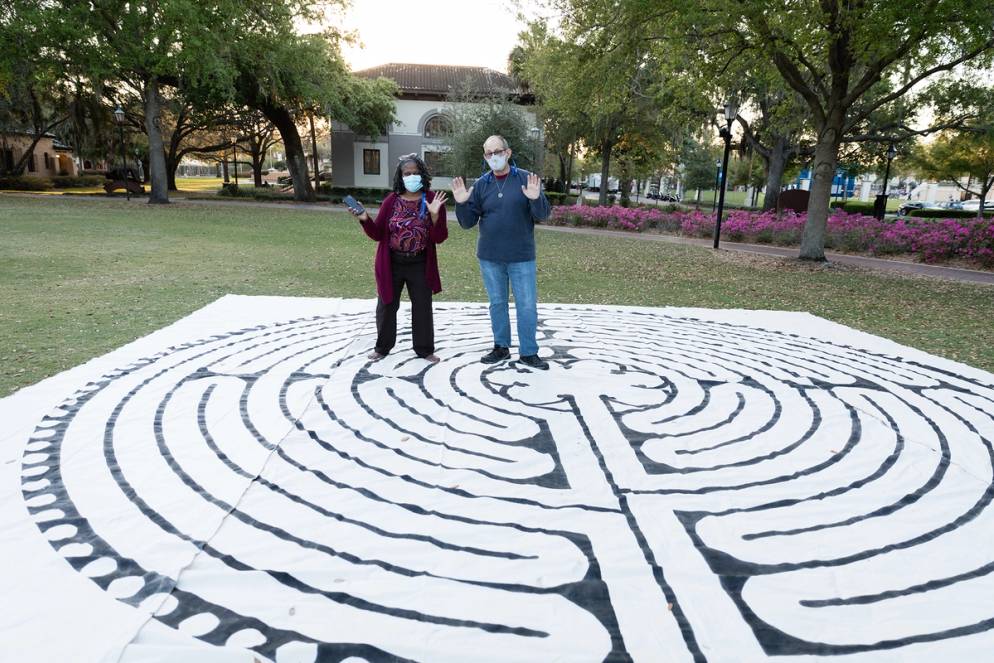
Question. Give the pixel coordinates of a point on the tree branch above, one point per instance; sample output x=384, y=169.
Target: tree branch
x=863, y=114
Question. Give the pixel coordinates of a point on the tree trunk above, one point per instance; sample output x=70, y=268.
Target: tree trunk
x=605, y=171
x=775, y=167
x=569, y=169
x=22, y=162
x=257, y=158
x=224, y=168
x=626, y=191
x=314, y=156
x=823, y=172
x=171, y=167
x=296, y=162
x=156, y=155
x=985, y=186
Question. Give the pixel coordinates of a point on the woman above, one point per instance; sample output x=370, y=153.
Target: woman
x=411, y=221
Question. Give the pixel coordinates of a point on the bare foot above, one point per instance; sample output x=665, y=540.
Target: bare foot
x=432, y=358
x=375, y=356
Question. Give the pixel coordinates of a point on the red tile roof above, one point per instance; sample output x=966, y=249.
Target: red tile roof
x=441, y=80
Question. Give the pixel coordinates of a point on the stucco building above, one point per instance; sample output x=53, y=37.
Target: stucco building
x=48, y=158
x=424, y=91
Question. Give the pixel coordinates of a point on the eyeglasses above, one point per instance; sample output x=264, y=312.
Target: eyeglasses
x=487, y=155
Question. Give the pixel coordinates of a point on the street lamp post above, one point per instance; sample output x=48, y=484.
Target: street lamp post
x=119, y=119
x=536, y=134
x=881, y=206
x=731, y=110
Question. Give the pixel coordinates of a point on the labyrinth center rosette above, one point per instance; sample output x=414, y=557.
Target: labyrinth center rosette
x=712, y=485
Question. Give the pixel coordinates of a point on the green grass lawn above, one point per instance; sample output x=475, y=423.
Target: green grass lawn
x=81, y=277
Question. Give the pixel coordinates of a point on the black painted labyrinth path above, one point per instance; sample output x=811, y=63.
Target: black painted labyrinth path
x=681, y=485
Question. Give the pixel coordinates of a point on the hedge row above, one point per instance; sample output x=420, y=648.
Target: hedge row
x=36, y=183
x=853, y=206
x=947, y=214
x=77, y=181
x=25, y=183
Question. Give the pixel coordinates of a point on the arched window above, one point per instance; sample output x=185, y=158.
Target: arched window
x=439, y=125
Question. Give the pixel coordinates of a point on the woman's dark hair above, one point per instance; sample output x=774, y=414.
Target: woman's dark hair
x=398, y=176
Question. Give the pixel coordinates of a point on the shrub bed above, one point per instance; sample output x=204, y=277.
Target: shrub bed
x=853, y=206
x=77, y=181
x=25, y=183
x=947, y=214
x=931, y=240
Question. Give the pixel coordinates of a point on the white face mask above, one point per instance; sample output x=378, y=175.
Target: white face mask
x=497, y=161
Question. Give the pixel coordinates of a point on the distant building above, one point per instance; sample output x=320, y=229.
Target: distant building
x=49, y=158
x=369, y=161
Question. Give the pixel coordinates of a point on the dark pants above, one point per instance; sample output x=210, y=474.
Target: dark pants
x=409, y=272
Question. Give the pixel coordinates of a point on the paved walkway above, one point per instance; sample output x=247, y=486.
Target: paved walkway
x=881, y=264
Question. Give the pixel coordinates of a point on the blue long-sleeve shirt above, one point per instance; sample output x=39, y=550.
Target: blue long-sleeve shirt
x=507, y=222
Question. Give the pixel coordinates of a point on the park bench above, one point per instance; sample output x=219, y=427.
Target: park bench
x=110, y=186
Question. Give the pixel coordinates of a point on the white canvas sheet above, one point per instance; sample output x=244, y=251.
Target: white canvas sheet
x=682, y=484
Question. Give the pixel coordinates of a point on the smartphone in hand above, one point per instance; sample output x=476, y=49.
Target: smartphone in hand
x=354, y=205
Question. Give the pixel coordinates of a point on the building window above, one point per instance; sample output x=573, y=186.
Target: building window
x=436, y=164
x=7, y=159
x=31, y=162
x=438, y=125
x=370, y=162
x=48, y=162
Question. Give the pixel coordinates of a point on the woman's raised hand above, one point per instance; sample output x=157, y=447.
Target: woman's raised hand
x=436, y=204
x=459, y=191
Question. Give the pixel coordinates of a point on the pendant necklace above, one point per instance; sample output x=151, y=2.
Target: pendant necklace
x=501, y=185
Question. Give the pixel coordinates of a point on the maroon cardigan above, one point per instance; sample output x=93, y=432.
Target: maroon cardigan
x=378, y=229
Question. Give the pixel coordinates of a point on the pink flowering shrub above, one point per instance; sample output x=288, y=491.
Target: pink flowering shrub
x=932, y=240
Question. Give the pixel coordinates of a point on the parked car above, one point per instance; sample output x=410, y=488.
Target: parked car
x=974, y=205
x=909, y=205
x=669, y=198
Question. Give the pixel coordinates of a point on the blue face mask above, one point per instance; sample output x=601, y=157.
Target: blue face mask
x=413, y=183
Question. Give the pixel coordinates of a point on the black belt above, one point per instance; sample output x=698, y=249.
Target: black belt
x=408, y=256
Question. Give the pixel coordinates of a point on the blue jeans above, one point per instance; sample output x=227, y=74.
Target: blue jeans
x=522, y=278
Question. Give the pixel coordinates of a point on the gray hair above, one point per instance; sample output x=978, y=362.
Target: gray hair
x=503, y=140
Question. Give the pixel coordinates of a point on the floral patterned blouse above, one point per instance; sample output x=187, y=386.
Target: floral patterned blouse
x=408, y=231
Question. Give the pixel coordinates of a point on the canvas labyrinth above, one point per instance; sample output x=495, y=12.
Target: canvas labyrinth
x=681, y=485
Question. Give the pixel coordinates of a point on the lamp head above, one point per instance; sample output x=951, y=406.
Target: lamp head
x=119, y=114
x=891, y=151
x=731, y=110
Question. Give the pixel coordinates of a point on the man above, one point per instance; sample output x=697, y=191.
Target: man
x=506, y=202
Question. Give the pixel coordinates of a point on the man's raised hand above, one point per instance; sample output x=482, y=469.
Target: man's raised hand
x=459, y=192
x=534, y=187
